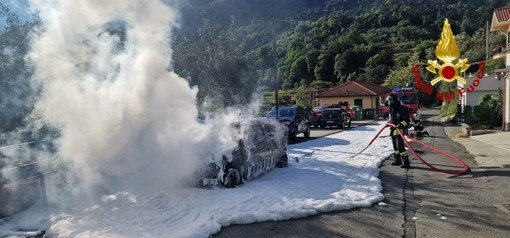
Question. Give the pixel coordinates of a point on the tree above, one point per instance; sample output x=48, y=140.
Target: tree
x=214, y=61
x=402, y=76
x=17, y=97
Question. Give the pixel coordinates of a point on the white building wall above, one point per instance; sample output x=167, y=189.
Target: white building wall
x=487, y=85
x=506, y=104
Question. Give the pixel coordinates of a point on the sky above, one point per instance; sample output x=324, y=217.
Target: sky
x=322, y=176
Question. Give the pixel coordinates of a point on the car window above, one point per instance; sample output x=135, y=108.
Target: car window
x=332, y=113
x=321, y=107
x=407, y=98
x=257, y=133
x=299, y=111
x=270, y=129
x=284, y=112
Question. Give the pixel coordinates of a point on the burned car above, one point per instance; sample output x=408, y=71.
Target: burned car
x=261, y=147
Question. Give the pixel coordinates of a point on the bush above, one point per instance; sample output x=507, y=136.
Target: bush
x=489, y=109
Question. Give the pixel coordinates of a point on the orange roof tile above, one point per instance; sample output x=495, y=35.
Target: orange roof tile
x=355, y=89
x=502, y=14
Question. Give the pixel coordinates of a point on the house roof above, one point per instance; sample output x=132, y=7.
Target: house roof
x=502, y=14
x=500, y=19
x=355, y=89
x=311, y=89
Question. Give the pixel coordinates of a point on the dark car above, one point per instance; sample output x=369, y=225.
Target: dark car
x=343, y=105
x=262, y=147
x=335, y=117
x=312, y=117
x=318, y=111
x=295, y=118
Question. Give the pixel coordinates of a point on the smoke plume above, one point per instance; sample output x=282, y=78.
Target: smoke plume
x=103, y=68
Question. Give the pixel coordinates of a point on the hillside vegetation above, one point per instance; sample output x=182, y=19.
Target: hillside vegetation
x=327, y=43
x=225, y=47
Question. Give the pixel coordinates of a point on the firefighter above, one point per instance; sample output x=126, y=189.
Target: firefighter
x=418, y=127
x=398, y=116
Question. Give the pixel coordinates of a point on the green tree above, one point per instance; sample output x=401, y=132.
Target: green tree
x=214, y=61
x=402, y=76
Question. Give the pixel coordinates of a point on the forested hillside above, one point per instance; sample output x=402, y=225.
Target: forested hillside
x=225, y=46
x=325, y=43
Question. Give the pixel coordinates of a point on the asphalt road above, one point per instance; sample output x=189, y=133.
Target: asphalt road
x=421, y=202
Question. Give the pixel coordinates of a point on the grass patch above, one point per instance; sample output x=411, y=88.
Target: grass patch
x=449, y=109
x=461, y=135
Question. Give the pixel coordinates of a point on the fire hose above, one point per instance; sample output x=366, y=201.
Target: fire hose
x=456, y=172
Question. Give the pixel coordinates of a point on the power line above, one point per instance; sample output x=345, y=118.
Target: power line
x=25, y=143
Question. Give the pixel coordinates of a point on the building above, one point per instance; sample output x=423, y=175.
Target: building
x=365, y=95
x=311, y=95
x=488, y=85
x=501, y=23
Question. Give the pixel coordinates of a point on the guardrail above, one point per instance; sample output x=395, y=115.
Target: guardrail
x=22, y=179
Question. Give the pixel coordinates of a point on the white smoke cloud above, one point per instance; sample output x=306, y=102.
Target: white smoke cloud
x=119, y=111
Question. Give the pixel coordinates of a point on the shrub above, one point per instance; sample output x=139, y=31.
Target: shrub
x=490, y=108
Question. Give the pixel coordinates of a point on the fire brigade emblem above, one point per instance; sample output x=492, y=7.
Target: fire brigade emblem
x=447, y=51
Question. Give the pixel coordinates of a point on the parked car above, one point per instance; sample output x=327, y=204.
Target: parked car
x=345, y=106
x=295, y=118
x=312, y=117
x=335, y=117
x=318, y=111
x=262, y=147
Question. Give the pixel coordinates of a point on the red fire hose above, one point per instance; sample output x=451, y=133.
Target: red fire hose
x=464, y=171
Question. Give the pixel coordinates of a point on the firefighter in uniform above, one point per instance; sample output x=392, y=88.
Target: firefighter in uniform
x=398, y=116
x=418, y=127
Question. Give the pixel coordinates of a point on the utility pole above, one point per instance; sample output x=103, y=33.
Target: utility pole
x=275, y=72
x=487, y=41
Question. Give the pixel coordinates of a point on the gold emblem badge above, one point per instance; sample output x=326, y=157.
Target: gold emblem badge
x=447, y=51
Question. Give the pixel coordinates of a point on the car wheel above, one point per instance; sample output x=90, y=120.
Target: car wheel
x=283, y=162
x=307, y=132
x=231, y=178
x=293, y=135
x=341, y=125
x=245, y=175
x=322, y=126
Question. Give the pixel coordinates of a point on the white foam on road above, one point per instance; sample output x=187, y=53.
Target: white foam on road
x=325, y=179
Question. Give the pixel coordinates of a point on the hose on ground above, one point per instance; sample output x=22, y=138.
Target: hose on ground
x=465, y=170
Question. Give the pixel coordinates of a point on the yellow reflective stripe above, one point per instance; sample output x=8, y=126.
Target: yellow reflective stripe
x=404, y=153
x=404, y=123
x=395, y=133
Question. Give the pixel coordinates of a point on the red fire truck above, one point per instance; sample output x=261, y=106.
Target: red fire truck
x=408, y=96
